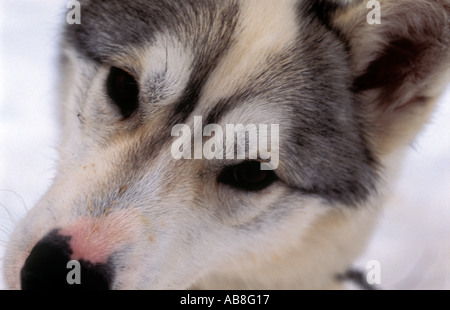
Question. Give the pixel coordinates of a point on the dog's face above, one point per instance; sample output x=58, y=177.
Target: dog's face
x=136, y=216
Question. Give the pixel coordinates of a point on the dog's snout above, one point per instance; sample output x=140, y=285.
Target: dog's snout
x=47, y=267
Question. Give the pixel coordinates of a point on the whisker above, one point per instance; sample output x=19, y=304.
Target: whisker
x=22, y=203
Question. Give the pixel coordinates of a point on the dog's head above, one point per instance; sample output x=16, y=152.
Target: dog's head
x=158, y=99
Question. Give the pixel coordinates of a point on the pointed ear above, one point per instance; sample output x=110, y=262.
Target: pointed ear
x=401, y=64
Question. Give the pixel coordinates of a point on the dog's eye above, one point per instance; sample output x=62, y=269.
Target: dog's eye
x=247, y=176
x=123, y=90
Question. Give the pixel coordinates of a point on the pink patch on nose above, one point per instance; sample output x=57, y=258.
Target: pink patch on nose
x=95, y=239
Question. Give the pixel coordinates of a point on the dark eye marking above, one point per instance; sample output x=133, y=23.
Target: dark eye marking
x=123, y=90
x=247, y=176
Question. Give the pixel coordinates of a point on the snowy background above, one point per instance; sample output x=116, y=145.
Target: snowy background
x=412, y=242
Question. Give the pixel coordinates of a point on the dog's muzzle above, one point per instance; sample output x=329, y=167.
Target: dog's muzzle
x=47, y=267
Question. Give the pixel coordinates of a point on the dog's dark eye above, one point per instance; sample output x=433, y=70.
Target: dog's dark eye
x=247, y=176
x=123, y=91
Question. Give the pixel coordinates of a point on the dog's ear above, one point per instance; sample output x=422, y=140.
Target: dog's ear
x=400, y=56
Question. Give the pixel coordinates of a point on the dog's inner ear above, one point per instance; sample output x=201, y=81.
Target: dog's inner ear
x=401, y=66
x=398, y=62
x=123, y=90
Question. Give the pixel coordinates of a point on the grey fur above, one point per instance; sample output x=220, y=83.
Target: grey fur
x=310, y=81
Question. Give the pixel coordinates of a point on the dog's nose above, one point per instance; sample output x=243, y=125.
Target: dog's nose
x=47, y=268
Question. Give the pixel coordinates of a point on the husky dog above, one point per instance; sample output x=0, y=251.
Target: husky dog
x=348, y=95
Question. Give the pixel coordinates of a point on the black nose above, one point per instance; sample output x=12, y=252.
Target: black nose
x=47, y=268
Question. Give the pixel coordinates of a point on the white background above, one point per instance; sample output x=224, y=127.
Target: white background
x=412, y=242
